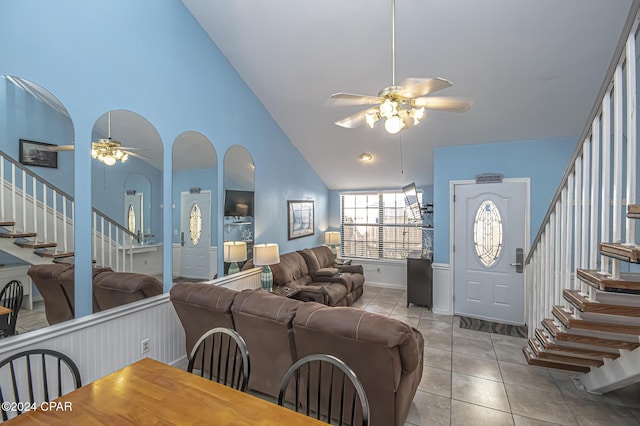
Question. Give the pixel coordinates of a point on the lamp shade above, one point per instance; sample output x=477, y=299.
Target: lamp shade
x=265, y=254
x=235, y=251
x=332, y=238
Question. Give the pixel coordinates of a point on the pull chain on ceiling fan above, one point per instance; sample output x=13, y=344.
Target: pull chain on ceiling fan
x=402, y=105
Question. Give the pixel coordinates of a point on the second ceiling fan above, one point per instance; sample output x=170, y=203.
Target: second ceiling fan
x=401, y=105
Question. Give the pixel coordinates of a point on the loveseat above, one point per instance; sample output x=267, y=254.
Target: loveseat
x=317, y=277
x=55, y=283
x=386, y=354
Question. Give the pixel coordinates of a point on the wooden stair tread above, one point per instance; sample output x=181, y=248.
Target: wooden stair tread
x=53, y=254
x=551, y=346
x=569, y=321
x=584, y=305
x=621, y=251
x=540, y=353
x=34, y=244
x=563, y=336
x=18, y=234
x=633, y=211
x=628, y=281
x=532, y=359
x=7, y=223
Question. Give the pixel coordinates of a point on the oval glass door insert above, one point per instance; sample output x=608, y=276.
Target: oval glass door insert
x=487, y=233
x=195, y=224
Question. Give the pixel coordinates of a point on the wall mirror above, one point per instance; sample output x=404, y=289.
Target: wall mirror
x=34, y=115
x=127, y=159
x=195, y=218
x=239, y=199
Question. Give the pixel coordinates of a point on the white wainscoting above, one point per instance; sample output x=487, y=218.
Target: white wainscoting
x=176, y=254
x=384, y=273
x=442, y=289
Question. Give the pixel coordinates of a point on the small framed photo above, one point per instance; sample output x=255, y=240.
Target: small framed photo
x=38, y=154
x=300, y=218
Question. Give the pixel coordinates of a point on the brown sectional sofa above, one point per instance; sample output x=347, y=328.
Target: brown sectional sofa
x=55, y=283
x=386, y=354
x=318, y=278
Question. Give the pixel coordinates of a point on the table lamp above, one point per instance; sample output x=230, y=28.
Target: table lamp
x=265, y=255
x=331, y=238
x=234, y=252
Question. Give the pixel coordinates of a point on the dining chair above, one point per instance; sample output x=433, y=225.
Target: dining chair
x=221, y=355
x=11, y=297
x=29, y=378
x=327, y=389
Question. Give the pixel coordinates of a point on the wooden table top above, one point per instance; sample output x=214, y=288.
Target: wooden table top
x=150, y=392
x=4, y=311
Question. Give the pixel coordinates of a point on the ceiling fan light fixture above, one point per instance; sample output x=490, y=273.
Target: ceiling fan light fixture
x=393, y=124
x=416, y=114
x=388, y=108
x=372, y=118
x=109, y=160
x=366, y=157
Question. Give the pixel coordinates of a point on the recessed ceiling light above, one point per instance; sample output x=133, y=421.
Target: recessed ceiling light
x=366, y=157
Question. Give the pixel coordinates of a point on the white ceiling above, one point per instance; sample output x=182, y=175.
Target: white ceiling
x=533, y=68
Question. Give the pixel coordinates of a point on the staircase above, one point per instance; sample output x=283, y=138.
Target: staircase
x=583, y=282
x=40, y=229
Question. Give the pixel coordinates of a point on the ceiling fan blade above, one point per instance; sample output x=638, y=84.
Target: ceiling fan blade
x=443, y=103
x=415, y=87
x=355, y=120
x=134, y=154
x=350, y=99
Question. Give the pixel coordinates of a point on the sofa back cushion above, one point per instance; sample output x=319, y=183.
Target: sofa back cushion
x=380, y=350
x=310, y=259
x=264, y=321
x=201, y=307
x=324, y=256
x=291, y=269
x=111, y=289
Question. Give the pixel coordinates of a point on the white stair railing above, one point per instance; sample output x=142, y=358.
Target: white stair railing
x=42, y=208
x=589, y=204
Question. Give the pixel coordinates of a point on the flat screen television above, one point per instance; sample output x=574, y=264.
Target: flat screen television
x=238, y=203
x=412, y=203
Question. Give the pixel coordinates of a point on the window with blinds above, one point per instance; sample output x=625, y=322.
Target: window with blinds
x=376, y=225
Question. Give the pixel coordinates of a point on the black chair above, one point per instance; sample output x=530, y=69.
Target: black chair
x=316, y=378
x=11, y=297
x=222, y=354
x=35, y=376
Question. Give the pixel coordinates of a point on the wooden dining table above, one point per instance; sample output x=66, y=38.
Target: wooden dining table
x=149, y=392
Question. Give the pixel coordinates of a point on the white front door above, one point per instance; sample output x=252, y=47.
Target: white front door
x=490, y=224
x=195, y=228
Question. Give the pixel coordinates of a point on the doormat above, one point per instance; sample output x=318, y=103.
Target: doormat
x=493, y=327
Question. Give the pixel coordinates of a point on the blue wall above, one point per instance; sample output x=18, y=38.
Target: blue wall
x=543, y=161
x=151, y=57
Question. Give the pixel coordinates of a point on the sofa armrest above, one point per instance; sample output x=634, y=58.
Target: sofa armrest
x=344, y=279
x=351, y=269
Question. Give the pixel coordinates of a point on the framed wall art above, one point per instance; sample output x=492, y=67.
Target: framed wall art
x=37, y=154
x=300, y=218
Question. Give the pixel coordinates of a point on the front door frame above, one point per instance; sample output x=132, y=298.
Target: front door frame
x=527, y=235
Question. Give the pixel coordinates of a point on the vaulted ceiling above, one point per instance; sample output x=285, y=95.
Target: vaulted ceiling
x=533, y=68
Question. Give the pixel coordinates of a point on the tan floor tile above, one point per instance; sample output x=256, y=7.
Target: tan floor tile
x=472, y=334
x=475, y=390
x=528, y=376
x=437, y=340
x=589, y=413
x=437, y=358
x=437, y=381
x=539, y=405
x=475, y=366
x=464, y=414
x=412, y=321
x=434, y=326
x=411, y=311
x=422, y=415
x=508, y=340
x=378, y=308
x=473, y=347
x=509, y=353
x=437, y=317
x=526, y=421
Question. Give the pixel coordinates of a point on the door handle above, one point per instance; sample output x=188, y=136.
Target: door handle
x=182, y=239
x=519, y=260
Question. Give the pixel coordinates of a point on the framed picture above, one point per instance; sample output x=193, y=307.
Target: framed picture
x=300, y=218
x=36, y=154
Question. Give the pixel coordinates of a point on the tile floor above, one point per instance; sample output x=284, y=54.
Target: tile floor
x=479, y=378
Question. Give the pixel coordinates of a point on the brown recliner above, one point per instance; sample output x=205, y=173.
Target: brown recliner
x=111, y=289
x=201, y=307
x=265, y=322
x=386, y=354
x=54, y=282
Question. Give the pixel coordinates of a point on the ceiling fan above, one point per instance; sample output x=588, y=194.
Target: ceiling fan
x=107, y=150
x=400, y=105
